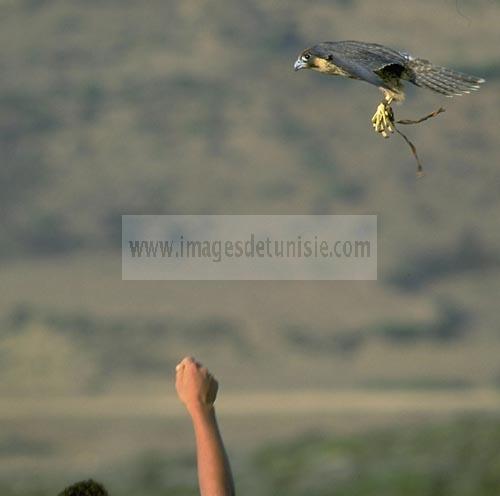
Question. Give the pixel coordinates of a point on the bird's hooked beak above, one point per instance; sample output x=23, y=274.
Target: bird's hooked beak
x=299, y=64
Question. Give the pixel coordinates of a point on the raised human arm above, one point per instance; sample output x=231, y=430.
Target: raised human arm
x=197, y=389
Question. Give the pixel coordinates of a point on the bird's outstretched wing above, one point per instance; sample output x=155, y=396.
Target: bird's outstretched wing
x=364, y=60
x=441, y=79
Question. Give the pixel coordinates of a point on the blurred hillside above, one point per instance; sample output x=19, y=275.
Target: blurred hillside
x=192, y=107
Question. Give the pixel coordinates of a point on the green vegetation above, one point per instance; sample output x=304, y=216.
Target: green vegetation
x=457, y=458
x=448, y=326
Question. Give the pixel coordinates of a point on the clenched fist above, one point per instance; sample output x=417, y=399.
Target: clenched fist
x=195, y=386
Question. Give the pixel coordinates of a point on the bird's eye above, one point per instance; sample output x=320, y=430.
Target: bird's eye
x=306, y=57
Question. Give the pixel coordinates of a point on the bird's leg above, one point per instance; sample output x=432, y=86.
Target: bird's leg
x=383, y=119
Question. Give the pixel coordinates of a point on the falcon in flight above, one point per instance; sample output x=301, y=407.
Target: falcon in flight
x=386, y=68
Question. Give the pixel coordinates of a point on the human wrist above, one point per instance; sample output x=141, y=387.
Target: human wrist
x=199, y=409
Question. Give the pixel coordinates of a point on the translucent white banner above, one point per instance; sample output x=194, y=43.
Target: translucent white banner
x=249, y=247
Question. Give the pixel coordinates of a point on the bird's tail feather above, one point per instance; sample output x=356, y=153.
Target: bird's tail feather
x=442, y=80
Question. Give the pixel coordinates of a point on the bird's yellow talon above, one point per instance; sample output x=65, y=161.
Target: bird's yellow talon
x=383, y=120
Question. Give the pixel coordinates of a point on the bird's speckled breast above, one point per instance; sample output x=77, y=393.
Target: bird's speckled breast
x=326, y=67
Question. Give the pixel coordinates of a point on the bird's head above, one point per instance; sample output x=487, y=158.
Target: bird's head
x=303, y=60
x=316, y=58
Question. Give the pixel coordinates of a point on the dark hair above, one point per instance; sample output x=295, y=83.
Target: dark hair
x=85, y=488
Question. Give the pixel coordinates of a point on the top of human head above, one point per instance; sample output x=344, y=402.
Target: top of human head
x=85, y=488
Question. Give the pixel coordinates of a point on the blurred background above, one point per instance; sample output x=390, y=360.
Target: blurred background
x=192, y=107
